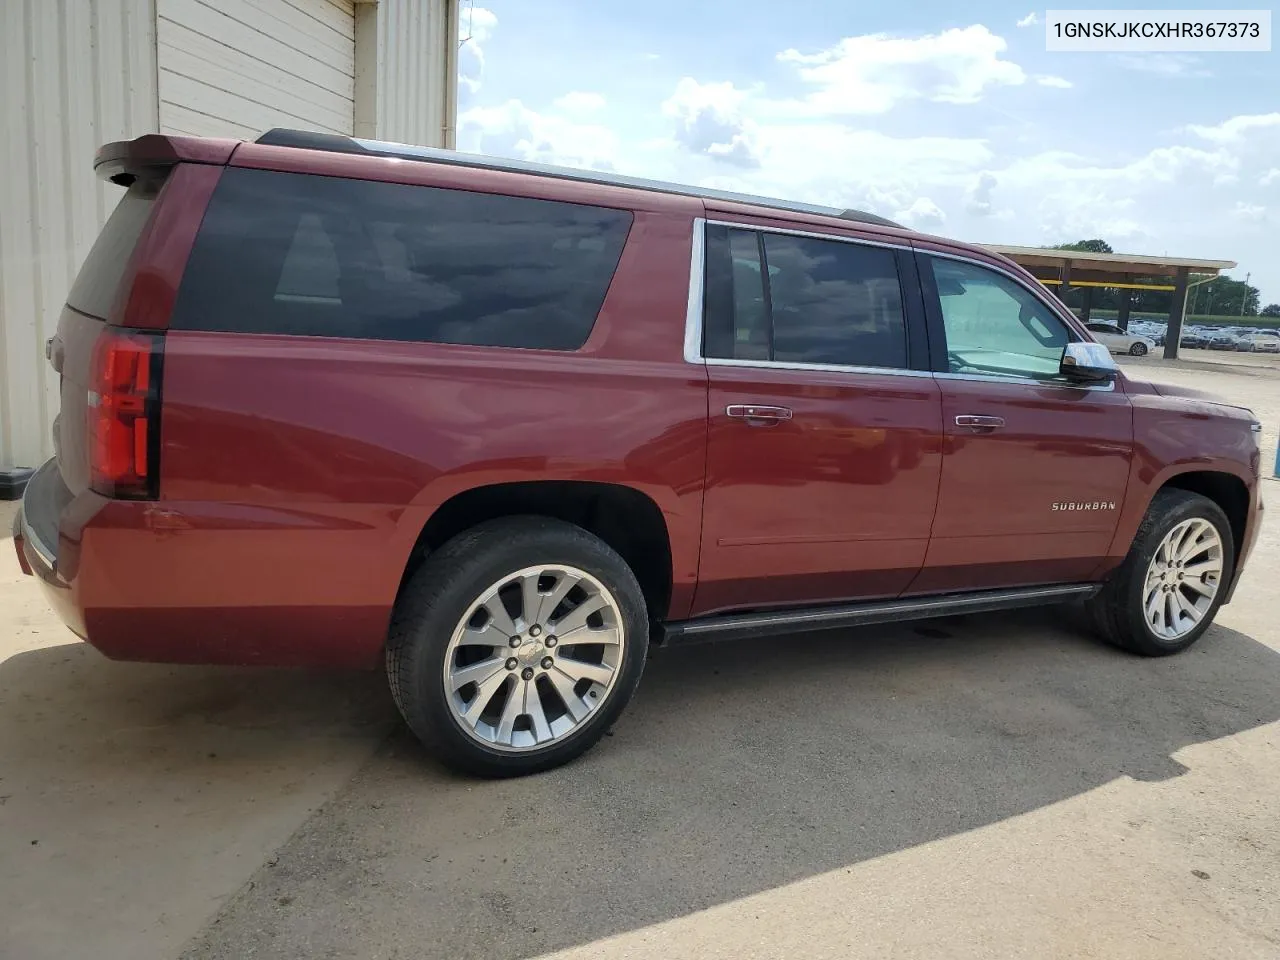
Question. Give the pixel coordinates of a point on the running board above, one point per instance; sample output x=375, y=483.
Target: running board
x=741, y=626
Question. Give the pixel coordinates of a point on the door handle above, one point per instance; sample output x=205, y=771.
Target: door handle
x=976, y=422
x=758, y=415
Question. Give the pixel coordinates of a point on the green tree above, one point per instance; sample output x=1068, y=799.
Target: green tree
x=1087, y=246
x=1271, y=310
x=1225, y=296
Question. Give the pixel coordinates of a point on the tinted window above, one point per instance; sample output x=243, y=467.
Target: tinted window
x=835, y=302
x=805, y=301
x=95, y=288
x=324, y=256
x=994, y=325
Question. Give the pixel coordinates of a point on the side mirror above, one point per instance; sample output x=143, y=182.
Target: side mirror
x=1088, y=363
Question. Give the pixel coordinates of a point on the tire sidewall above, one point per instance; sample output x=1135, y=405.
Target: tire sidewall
x=1192, y=508
x=1138, y=350
x=428, y=712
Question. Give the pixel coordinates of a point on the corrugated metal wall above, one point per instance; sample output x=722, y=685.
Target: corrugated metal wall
x=234, y=68
x=407, y=96
x=80, y=73
x=75, y=74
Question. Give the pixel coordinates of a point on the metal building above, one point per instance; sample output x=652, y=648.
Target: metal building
x=75, y=74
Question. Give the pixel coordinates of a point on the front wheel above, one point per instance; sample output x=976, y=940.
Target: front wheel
x=1165, y=594
x=1138, y=350
x=516, y=645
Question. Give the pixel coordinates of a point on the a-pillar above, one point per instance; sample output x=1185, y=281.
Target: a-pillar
x=1177, y=313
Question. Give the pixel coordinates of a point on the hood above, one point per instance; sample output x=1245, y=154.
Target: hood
x=1190, y=393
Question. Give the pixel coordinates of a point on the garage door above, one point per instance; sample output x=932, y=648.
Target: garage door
x=234, y=68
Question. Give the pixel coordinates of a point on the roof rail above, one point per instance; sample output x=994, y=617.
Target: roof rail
x=336, y=143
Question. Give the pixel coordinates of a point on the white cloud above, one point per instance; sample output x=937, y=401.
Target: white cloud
x=513, y=130
x=1048, y=80
x=1270, y=177
x=474, y=28
x=1249, y=212
x=871, y=74
x=1236, y=128
x=923, y=214
x=709, y=120
x=1163, y=64
x=978, y=196
x=1030, y=20
x=578, y=101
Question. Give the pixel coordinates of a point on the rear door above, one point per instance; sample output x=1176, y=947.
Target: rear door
x=825, y=424
x=1035, y=468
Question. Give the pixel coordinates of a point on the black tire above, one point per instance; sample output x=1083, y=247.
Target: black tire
x=444, y=587
x=1138, y=350
x=1117, y=610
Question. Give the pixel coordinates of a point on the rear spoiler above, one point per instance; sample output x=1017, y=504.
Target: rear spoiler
x=124, y=161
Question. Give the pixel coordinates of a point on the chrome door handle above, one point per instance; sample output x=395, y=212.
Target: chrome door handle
x=979, y=423
x=757, y=414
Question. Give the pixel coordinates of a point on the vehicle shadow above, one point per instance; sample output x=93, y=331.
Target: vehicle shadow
x=738, y=769
x=134, y=797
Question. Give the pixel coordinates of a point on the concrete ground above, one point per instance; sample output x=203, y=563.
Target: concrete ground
x=974, y=787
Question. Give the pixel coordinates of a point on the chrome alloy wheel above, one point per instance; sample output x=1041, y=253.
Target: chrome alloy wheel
x=534, y=657
x=1182, y=579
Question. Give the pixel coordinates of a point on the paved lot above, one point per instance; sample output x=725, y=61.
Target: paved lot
x=975, y=787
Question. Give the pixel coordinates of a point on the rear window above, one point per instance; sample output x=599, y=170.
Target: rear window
x=94, y=291
x=307, y=255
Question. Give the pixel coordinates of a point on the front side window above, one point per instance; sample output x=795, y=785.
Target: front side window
x=793, y=299
x=995, y=326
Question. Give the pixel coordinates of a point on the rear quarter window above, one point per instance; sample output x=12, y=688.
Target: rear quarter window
x=94, y=291
x=308, y=255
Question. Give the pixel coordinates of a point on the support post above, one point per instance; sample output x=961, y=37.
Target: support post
x=1177, y=312
x=1122, y=317
x=1086, y=304
x=1064, y=276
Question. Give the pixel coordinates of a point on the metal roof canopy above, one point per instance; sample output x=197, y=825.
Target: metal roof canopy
x=1109, y=262
x=1065, y=268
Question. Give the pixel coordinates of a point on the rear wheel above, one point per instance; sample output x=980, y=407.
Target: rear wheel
x=1138, y=350
x=1170, y=586
x=516, y=645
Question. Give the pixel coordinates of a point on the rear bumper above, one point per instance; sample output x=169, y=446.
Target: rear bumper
x=208, y=582
x=38, y=559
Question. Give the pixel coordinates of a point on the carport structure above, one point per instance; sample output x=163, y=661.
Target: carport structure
x=1064, y=269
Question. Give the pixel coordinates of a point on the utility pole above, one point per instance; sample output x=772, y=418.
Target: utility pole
x=1244, y=294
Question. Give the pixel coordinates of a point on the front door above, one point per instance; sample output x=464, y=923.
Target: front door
x=1034, y=468
x=825, y=428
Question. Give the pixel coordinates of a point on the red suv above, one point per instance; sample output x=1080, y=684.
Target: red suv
x=500, y=427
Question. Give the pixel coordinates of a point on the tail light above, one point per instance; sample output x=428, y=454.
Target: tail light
x=124, y=414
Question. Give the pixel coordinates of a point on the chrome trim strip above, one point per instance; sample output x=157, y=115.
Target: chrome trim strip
x=810, y=233
x=815, y=367
x=697, y=281
x=1029, y=381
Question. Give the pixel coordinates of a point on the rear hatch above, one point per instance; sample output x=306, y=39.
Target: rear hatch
x=84, y=318
x=108, y=350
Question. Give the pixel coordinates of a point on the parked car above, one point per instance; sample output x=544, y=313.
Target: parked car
x=1117, y=341
x=499, y=428
x=1224, y=340
x=1193, y=338
x=1259, y=343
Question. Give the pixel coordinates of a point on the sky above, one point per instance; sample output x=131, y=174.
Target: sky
x=951, y=118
